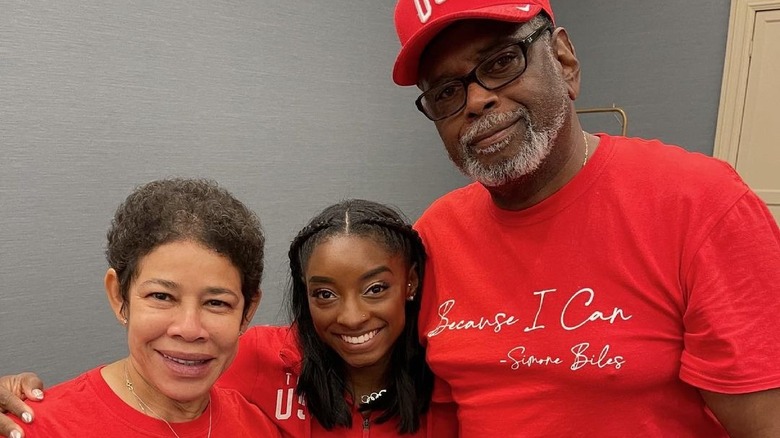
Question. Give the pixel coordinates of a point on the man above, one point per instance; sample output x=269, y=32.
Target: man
x=584, y=285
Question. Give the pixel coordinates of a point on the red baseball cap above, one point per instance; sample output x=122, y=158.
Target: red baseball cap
x=418, y=21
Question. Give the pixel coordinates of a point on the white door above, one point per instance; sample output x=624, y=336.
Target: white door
x=756, y=126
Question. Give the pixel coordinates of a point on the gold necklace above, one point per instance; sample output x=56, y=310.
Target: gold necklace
x=144, y=406
x=585, y=137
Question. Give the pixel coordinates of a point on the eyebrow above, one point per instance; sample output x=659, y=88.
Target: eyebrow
x=365, y=276
x=520, y=34
x=211, y=290
x=483, y=54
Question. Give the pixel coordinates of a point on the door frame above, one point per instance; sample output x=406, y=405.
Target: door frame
x=742, y=20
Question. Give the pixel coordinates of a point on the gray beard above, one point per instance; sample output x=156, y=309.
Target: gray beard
x=535, y=148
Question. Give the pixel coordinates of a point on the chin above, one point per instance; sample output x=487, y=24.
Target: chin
x=503, y=171
x=362, y=362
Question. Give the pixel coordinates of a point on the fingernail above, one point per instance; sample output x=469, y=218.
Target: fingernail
x=26, y=417
x=37, y=393
x=15, y=434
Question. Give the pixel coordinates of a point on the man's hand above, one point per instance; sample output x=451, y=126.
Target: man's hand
x=14, y=389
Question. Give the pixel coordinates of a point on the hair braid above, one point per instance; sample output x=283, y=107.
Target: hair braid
x=416, y=247
x=303, y=236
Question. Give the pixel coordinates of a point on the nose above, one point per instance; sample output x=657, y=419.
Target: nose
x=353, y=313
x=187, y=324
x=479, y=100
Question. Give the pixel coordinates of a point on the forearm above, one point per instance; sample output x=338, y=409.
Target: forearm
x=752, y=415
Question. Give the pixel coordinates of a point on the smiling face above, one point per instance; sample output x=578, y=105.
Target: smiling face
x=357, y=292
x=184, y=312
x=503, y=134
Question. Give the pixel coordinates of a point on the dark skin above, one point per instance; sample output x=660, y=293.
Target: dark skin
x=751, y=415
x=443, y=60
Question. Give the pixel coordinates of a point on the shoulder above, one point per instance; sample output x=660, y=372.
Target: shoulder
x=472, y=192
x=264, y=334
x=240, y=413
x=664, y=175
x=78, y=389
x=70, y=405
x=273, y=341
x=264, y=352
x=261, y=349
x=453, y=204
x=669, y=163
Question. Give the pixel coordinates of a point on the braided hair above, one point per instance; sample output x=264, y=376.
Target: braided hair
x=323, y=380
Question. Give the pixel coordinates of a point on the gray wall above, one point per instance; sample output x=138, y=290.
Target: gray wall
x=288, y=104
x=661, y=61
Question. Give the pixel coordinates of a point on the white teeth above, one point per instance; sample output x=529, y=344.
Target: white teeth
x=184, y=362
x=359, y=339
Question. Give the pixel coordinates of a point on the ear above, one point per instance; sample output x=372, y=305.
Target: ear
x=111, y=283
x=413, y=280
x=567, y=57
x=250, y=311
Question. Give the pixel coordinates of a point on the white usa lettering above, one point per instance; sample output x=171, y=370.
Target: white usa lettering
x=284, y=403
x=283, y=413
x=424, y=8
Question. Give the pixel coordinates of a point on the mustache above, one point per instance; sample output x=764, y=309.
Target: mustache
x=490, y=121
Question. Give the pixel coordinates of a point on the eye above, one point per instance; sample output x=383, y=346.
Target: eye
x=505, y=62
x=161, y=296
x=447, y=91
x=323, y=294
x=376, y=288
x=218, y=303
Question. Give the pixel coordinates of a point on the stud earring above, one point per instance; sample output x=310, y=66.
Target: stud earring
x=410, y=297
x=124, y=321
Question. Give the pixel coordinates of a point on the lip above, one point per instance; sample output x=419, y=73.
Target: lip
x=492, y=136
x=359, y=339
x=190, y=365
x=359, y=347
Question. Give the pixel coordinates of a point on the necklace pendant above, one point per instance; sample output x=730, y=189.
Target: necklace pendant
x=374, y=396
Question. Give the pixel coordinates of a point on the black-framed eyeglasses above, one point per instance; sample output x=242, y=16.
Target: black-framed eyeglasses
x=502, y=67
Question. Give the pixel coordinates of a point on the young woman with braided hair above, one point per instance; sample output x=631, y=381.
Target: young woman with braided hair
x=351, y=359
x=380, y=352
